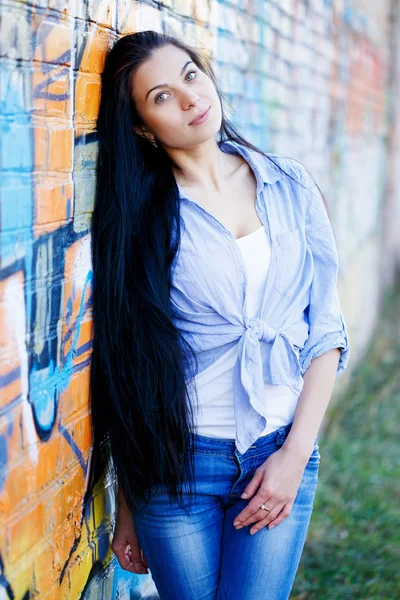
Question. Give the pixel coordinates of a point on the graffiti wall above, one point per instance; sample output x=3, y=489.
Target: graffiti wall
x=304, y=78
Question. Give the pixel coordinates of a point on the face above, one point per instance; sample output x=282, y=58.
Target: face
x=181, y=93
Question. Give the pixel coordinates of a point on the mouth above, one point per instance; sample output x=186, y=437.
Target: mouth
x=201, y=118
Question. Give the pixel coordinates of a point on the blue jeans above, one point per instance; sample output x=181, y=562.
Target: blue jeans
x=203, y=556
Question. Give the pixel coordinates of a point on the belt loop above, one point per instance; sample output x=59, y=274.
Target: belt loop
x=281, y=434
x=277, y=435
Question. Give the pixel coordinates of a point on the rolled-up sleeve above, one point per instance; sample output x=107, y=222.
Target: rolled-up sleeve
x=327, y=327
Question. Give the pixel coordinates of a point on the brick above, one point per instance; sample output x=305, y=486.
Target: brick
x=64, y=504
x=52, y=195
x=15, y=37
x=87, y=97
x=25, y=531
x=60, y=149
x=75, y=397
x=103, y=14
x=63, y=541
x=46, y=578
x=54, y=41
x=78, y=573
x=20, y=484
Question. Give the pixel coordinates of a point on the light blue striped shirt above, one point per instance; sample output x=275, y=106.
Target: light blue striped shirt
x=300, y=315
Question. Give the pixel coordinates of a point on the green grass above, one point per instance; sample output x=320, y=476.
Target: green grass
x=353, y=543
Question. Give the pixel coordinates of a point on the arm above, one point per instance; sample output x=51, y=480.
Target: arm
x=121, y=502
x=326, y=351
x=277, y=480
x=125, y=544
x=313, y=402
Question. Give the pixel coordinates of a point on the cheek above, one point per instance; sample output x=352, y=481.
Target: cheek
x=163, y=118
x=168, y=126
x=169, y=121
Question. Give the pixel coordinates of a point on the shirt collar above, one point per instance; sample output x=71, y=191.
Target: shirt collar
x=264, y=170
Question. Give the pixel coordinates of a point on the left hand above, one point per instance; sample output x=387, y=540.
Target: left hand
x=276, y=482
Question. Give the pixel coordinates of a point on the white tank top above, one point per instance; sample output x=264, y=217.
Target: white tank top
x=215, y=416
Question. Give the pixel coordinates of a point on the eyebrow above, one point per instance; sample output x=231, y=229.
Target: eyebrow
x=166, y=84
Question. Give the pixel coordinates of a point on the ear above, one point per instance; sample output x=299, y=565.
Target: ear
x=138, y=130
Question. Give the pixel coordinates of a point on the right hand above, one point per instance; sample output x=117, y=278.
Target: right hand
x=125, y=544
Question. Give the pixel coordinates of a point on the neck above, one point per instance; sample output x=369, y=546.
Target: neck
x=203, y=166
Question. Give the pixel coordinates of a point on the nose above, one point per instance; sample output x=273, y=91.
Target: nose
x=189, y=98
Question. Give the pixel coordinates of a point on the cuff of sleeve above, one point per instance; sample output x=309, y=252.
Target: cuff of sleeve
x=325, y=344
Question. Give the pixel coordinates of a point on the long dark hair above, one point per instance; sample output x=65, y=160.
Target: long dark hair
x=142, y=419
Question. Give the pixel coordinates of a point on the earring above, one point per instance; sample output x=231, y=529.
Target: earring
x=152, y=141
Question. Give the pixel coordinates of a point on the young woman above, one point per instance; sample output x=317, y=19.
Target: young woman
x=218, y=332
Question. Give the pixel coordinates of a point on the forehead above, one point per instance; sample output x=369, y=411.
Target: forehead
x=163, y=66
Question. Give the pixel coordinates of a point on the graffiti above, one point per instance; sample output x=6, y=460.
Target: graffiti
x=45, y=290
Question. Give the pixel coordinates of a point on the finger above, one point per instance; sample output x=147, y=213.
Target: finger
x=275, y=512
x=252, y=508
x=124, y=559
x=285, y=512
x=138, y=561
x=253, y=485
x=261, y=514
x=260, y=525
x=129, y=556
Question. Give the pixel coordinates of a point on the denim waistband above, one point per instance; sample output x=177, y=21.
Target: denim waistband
x=222, y=445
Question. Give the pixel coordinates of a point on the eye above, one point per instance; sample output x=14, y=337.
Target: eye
x=162, y=93
x=158, y=96
x=190, y=73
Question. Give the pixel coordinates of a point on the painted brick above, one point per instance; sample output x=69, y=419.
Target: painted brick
x=26, y=531
x=15, y=41
x=103, y=13
x=201, y=11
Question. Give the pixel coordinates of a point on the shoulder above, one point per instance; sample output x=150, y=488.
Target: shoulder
x=301, y=186
x=292, y=167
x=298, y=195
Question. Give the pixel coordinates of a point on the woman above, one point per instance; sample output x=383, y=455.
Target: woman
x=218, y=332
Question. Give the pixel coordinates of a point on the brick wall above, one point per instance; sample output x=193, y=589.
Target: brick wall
x=314, y=79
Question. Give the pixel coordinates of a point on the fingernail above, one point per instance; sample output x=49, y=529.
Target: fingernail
x=253, y=532
x=244, y=495
x=271, y=526
x=236, y=523
x=138, y=566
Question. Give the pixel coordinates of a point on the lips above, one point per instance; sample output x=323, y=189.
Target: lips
x=199, y=116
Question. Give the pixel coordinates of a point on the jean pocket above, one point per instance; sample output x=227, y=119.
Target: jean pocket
x=289, y=249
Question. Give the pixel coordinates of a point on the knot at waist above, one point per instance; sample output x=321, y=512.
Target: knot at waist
x=281, y=366
x=263, y=331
